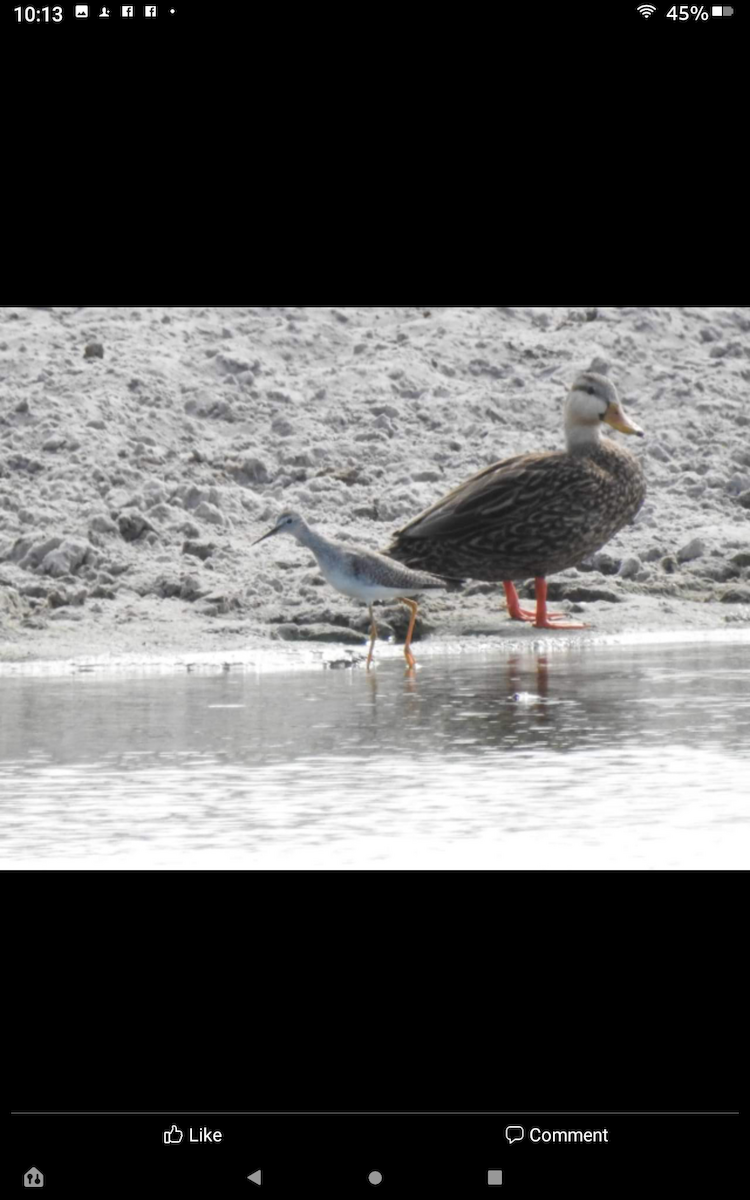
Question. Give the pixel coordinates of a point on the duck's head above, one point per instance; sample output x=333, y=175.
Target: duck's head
x=593, y=401
x=288, y=522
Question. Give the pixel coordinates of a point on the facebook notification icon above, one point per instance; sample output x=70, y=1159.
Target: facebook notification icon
x=149, y=10
x=127, y=10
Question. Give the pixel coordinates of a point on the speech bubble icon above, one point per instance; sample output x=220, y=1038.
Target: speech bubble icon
x=514, y=1133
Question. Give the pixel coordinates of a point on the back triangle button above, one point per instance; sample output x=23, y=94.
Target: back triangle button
x=256, y=1177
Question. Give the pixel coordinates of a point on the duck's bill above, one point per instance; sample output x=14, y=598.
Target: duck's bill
x=615, y=417
x=270, y=533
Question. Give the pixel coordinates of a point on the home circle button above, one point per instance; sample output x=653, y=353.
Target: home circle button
x=375, y=1178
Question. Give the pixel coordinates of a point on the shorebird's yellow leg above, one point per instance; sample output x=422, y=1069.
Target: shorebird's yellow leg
x=411, y=604
x=373, y=635
x=516, y=613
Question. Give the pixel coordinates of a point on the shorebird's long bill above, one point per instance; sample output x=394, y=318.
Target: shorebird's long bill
x=615, y=417
x=270, y=533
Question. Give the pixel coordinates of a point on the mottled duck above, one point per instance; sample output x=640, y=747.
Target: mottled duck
x=361, y=573
x=535, y=514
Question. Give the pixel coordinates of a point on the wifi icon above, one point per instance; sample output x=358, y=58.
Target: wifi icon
x=646, y=9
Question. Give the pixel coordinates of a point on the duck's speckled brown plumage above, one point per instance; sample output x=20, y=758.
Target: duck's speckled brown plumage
x=534, y=514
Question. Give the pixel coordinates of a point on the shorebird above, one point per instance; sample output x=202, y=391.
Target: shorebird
x=361, y=573
x=535, y=514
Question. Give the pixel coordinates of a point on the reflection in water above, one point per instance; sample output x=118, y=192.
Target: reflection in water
x=515, y=757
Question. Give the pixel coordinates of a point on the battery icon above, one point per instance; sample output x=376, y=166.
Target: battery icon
x=719, y=10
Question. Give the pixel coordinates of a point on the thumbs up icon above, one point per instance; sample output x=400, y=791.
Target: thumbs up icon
x=173, y=1136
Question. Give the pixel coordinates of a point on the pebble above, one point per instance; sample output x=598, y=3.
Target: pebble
x=282, y=428
x=737, y=595
x=658, y=451
x=601, y=561
x=133, y=525
x=736, y=484
x=56, y=442
x=317, y=633
x=630, y=568
x=209, y=512
x=202, y=550
x=102, y=524
x=66, y=559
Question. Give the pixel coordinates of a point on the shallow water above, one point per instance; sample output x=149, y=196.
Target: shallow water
x=627, y=757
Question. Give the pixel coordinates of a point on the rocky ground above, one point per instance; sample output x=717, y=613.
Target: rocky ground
x=143, y=449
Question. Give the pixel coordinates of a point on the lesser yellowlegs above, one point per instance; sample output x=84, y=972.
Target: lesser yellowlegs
x=361, y=573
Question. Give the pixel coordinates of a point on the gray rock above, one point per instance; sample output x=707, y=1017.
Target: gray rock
x=218, y=604
x=209, y=512
x=559, y=590
x=601, y=561
x=249, y=470
x=736, y=595
x=191, y=496
x=54, y=443
x=318, y=633
x=736, y=484
x=154, y=493
x=600, y=365
x=133, y=525
x=102, y=524
x=191, y=589
x=227, y=365
x=60, y=597
x=164, y=587
x=11, y=604
x=94, y=350
x=282, y=428
x=630, y=568
x=744, y=499
x=189, y=529
x=20, y=462
x=164, y=512
x=66, y=559
x=695, y=548
x=202, y=550
x=29, y=552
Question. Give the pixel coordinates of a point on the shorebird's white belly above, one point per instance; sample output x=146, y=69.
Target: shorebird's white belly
x=361, y=589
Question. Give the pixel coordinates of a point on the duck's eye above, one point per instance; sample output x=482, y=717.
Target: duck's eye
x=590, y=390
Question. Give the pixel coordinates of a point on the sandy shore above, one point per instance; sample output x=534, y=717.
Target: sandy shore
x=142, y=450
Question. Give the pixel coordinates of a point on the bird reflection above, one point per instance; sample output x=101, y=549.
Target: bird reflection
x=516, y=675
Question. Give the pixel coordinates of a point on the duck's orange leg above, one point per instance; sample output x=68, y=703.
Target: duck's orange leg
x=517, y=613
x=373, y=635
x=545, y=620
x=411, y=604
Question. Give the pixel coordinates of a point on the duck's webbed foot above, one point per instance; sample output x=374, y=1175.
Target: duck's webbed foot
x=546, y=620
x=516, y=613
